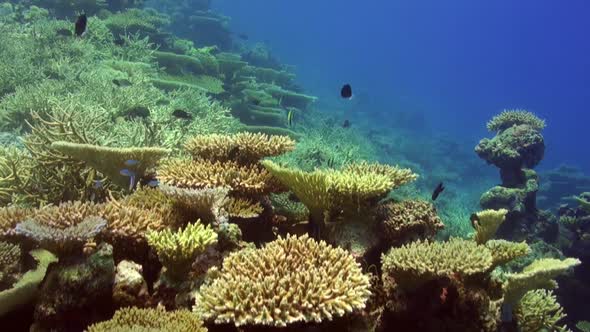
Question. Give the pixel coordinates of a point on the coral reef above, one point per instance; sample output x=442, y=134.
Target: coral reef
x=135, y=319
x=129, y=287
x=409, y=219
x=509, y=118
x=10, y=257
x=539, y=310
x=488, y=222
x=294, y=279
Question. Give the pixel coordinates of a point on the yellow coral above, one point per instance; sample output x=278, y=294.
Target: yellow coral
x=243, y=208
x=155, y=200
x=539, y=274
x=538, y=310
x=504, y=251
x=152, y=320
x=12, y=215
x=488, y=222
x=398, y=176
x=66, y=214
x=242, y=147
x=129, y=224
x=509, y=118
x=418, y=262
x=208, y=204
x=409, y=218
x=293, y=279
x=177, y=250
x=183, y=173
x=111, y=161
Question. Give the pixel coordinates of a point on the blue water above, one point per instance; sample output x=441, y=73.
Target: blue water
x=453, y=64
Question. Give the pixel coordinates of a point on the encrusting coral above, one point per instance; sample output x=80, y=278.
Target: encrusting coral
x=488, y=222
x=539, y=274
x=113, y=162
x=509, y=118
x=289, y=280
x=418, y=262
x=153, y=320
x=177, y=250
x=242, y=147
x=538, y=310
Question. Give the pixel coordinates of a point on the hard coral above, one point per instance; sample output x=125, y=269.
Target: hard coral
x=509, y=118
x=408, y=219
x=153, y=320
x=10, y=257
x=208, y=204
x=293, y=279
x=487, y=224
x=538, y=310
x=177, y=250
x=505, y=251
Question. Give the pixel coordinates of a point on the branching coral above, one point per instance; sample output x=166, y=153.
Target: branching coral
x=293, y=279
x=418, y=262
x=208, y=204
x=10, y=216
x=127, y=225
x=283, y=205
x=66, y=214
x=539, y=274
x=243, y=208
x=10, y=257
x=153, y=320
x=509, y=118
x=178, y=250
x=242, y=147
x=158, y=201
x=249, y=179
x=505, y=251
x=538, y=310
x=112, y=162
x=61, y=241
x=487, y=224
x=408, y=219
x=397, y=175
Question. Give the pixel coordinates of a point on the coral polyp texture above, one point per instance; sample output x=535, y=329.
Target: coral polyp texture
x=412, y=218
x=177, y=250
x=509, y=118
x=242, y=147
x=538, y=310
x=10, y=257
x=11, y=216
x=289, y=280
x=418, y=262
x=488, y=222
x=505, y=251
x=397, y=175
x=153, y=320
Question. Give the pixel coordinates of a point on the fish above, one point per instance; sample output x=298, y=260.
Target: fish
x=131, y=175
x=80, y=26
x=97, y=184
x=346, y=91
x=153, y=183
x=131, y=162
x=243, y=36
x=290, y=118
x=182, y=114
x=439, y=189
x=137, y=112
x=346, y=124
x=121, y=82
x=474, y=220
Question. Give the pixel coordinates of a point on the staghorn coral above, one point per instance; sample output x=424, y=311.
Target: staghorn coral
x=538, y=310
x=10, y=257
x=243, y=208
x=397, y=175
x=111, y=161
x=61, y=241
x=418, y=262
x=487, y=224
x=127, y=225
x=208, y=204
x=177, y=250
x=25, y=289
x=290, y=280
x=409, y=218
x=10, y=216
x=509, y=118
x=242, y=147
x=152, y=320
x=539, y=274
x=156, y=200
x=184, y=173
x=66, y=214
x=505, y=251
x=14, y=170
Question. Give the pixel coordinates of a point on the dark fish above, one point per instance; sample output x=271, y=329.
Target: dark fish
x=121, y=82
x=346, y=124
x=439, y=189
x=64, y=32
x=81, y=25
x=182, y=114
x=119, y=42
x=256, y=102
x=346, y=91
x=290, y=118
x=243, y=36
x=138, y=112
x=474, y=220
x=233, y=153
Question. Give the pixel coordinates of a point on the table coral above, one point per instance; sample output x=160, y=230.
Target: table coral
x=153, y=320
x=488, y=222
x=509, y=118
x=292, y=279
x=505, y=251
x=177, y=250
x=207, y=204
x=409, y=219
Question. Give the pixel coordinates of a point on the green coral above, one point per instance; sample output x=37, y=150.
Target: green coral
x=25, y=290
x=509, y=118
x=505, y=251
x=177, y=250
x=584, y=203
x=538, y=310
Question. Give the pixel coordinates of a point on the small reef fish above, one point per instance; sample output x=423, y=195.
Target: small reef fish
x=346, y=124
x=80, y=26
x=97, y=184
x=131, y=175
x=121, y=82
x=439, y=189
x=474, y=220
x=346, y=91
x=290, y=118
x=153, y=183
x=182, y=114
x=131, y=162
x=138, y=112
